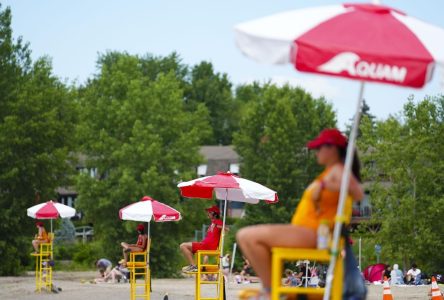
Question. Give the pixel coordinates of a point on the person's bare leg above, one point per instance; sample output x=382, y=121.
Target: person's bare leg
x=35, y=244
x=256, y=243
x=187, y=251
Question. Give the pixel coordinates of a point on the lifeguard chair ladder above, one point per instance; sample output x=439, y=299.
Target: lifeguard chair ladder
x=207, y=268
x=43, y=268
x=138, y=265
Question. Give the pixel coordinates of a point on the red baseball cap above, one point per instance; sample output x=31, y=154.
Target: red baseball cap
x=40, y=224
x=140, y=227
x=214, y=209
x=329, y=136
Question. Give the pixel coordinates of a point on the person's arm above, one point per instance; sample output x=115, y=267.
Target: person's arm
x=333, y=182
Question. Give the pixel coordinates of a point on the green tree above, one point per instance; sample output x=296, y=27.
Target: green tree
x=271, y=141
x=214, y=90
x=136, y=131
x=37, y=119
x=403, y=161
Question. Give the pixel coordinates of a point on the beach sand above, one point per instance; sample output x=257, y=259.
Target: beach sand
x=18, y=288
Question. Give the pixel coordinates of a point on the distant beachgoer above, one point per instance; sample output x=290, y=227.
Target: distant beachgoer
x=291, y=279
x=226, y=264
x=210, y=242
x=246, y=270
x=119, y=272
x=386, y=273
x=40, y=238
x=413, y=275
x=104, y=266
x=139, y=246
x=396, y=275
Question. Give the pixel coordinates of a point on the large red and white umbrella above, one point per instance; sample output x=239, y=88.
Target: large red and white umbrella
x=227, y=187
x=365, y=42
x=358, y=41
x=50, y=210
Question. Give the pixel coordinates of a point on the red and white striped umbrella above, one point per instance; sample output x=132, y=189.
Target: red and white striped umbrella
x=148, y=208
x=359, y=41
x=227, y=186
x=50, y=210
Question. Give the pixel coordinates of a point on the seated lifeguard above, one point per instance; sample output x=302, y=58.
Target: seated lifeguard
x=319, y=202
x=139, y=246
x=40, y=238
x=210, y=242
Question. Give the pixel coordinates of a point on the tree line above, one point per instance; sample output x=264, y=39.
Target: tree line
x=140, y=120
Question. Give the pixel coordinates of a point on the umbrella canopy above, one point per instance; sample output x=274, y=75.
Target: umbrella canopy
x=374, y=272
x=50, y=210
x=227, y=186
x=359, y=41
x=148, y=208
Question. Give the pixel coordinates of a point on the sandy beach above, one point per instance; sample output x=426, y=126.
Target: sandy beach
x=14, y=288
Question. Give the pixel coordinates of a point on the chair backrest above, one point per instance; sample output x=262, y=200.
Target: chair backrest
x=50, y=237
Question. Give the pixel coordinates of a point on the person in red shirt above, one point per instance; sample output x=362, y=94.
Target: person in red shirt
x=139, y=246
x=210, y=242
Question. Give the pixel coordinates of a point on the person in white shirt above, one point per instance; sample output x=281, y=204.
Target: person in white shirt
x=413, y=275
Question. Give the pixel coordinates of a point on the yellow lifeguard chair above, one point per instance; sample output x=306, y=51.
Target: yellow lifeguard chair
x=43, y=267
x=138, y=265
x=205, y=267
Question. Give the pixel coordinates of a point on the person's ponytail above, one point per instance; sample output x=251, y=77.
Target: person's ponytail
x=356, y=165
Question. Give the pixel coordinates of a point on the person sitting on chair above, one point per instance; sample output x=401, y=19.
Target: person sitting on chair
x=139, y=246
x=210, y=242
x=318, y=202
x=40, y=238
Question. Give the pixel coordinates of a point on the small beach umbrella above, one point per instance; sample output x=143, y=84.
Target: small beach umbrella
x=365, y=42
x=148, y=209
x=50, y=210
x=227, y=187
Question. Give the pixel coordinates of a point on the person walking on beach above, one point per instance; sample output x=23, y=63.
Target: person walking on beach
x=40, y=238
x=139, y=246
x=210, y=242
x=319, y=202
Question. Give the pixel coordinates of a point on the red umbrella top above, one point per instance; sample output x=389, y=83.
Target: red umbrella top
x=148, y=208
x=227, y=186
x=50, y=210
x=367, y=42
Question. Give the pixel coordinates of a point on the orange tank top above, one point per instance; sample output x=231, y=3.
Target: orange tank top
x=306, y=214
x=43, y=236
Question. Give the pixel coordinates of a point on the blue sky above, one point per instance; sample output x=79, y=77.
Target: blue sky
x=72, y=33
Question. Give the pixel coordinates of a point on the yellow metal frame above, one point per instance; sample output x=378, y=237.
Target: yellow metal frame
x=138, y=266
x=209, y=269
x=281, y=255
x=43, y=268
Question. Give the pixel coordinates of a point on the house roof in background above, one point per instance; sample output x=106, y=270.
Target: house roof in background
x=219, y=153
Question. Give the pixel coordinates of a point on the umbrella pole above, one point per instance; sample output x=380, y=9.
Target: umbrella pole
x=222, y=242
x=343, y=195
x=51, y=225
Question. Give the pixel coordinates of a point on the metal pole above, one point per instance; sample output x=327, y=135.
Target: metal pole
x=223, y=228
x=222, y=280
x=233, y=257
x=360, y=247
x=51, y=225
x=343, y=195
